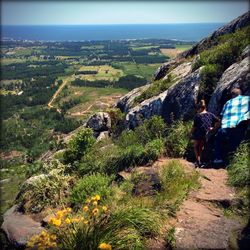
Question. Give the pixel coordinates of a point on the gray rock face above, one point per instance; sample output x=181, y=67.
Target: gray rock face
x=180, y=71
x=246, y=52
x=100, y=121
x=180, y=99
x=103, y=135
x=18, y=227
x=237, y=75
x=237, y=23
x=125, y=103
x=145, y=110
x=163, y=69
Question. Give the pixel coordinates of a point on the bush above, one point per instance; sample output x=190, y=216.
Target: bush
x=91, y=185
x=151, y=129
x=117, y=121
x=177, y=138
x=95, y=226
x=238, y=169
x=175, y=185
x=79, y=145
x=218, y=58
x=154, y=149
x=131, y=156
x=47, y=190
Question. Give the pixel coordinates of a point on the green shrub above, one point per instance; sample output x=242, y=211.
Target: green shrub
x=91, y=185
x=177, y=138
x=131, y=156
x=47, y=190
x=144, y=220
x=79, y=145
x=238, y=169
x=175, y=185
x=151, y=129
x=117, y=121
x=218, y=58
x=154, y=149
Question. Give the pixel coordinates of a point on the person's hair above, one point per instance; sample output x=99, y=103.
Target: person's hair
x=201, y=105
x=236, y=92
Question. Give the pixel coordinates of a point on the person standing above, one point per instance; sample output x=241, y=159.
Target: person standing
x=204, y=122
x=235, y=117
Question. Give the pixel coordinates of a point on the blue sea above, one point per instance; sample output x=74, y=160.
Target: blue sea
x=186, y=32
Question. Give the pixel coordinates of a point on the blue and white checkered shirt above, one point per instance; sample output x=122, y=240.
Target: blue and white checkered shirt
x=235, y=111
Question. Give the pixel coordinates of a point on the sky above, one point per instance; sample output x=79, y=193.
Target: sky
x=119, y=12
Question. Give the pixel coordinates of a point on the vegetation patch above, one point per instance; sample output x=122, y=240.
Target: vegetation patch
x=155, y=89
x=218, y=58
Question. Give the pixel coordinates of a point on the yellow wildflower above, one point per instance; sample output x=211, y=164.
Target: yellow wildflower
x=95, y=211
x=53, y=237
x=97, y=197
x=104, y=208
x=59, y=214
x=88, y=201
x=85, y=208
x=105, y=246
x=68, y=209
x=85, y=222
x=57, y=222
x=95, y=203
x=67, y=221
x=75, y=219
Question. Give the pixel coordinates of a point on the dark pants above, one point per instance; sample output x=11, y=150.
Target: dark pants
x=228, y=138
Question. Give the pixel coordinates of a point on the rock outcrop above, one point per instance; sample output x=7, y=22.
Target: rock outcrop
x=145, y=110
x=163, y=69
x=19, y=228
x=240, y=22
x=237, y=75
x=184, y=82
x=99, y=122
x=181, y=98
x=126, y=102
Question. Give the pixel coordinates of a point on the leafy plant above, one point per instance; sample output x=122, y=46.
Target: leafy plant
x=91, y=185
x=46, y=190
x=178, y=129
x=238, y=168
x=79, y=145
x=175, y=185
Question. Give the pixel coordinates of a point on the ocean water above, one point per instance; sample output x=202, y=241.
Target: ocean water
x=186, y=32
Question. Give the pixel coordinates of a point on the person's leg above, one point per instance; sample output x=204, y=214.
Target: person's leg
x=235, y=138
x=196, y=146
x=218, y=140
x=200, y=149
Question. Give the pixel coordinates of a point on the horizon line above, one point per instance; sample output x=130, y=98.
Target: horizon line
x=102, y=24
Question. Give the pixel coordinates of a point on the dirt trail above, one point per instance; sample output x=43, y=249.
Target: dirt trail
x=200, y=223
x=65, y=81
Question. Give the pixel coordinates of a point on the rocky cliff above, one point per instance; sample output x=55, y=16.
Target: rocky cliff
x=179, y=99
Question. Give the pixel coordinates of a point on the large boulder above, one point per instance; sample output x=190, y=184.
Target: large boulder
x=181, y=97
x=145, y=110
x=126, y=102
x=19, y=228
x=99, y=122
x=237, y=75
